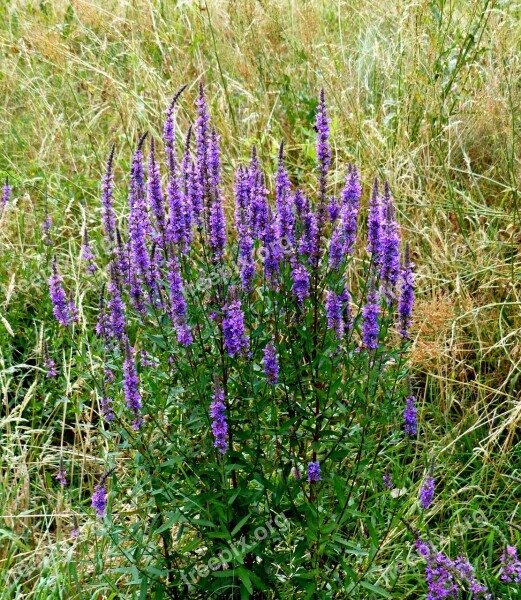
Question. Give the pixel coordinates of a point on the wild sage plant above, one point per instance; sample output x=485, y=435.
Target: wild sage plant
x=251, y=372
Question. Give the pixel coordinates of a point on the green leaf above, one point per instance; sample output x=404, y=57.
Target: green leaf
x=376, y=589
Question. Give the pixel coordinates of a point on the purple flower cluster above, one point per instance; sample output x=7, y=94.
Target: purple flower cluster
x=87, y=253
x=334, y=307
x=370, y=314
x=235, y=339
x=427, y=492
x=131, y=387
x=387, y=481
x=323, y=148
x=178, y=303
x=406, y=300
x=447, y=578
x=510, y=570
x=61, y=477
x=64, y=310
x=6, y=195
x=271, y=366
x=314, y=472
x=374, y=226
x=218, y=416
x=390, y=269
x=99, y=499
x=300, y=278
x=108, y=216
x=46, y=230
x=410, y=423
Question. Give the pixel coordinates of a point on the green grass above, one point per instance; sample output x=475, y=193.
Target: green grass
x=426, y=94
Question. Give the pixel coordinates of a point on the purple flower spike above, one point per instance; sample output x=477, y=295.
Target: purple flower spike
x=390, y=270
x=350, y=207
x=308, y=243
x=246, y=263
x=169, y=130
x=427, y=491
x=314, y=472
x=131, y=388
x=218, y=416
x=116, y=307
x=156, y=201
x=271, y=366
x=61, y=477
x=46, y=229
x=202, y=137
x=374, y=226
x=217, y=223
x=61, y=307
x=300, y=286
x=334, y=306
x=6, y=195
x=48, y=362
x=99, y=499
x=178, y=302
x=87, y=253
x=510, y=570
x=107, y=409
x=259, y=208
x=323, y=149
x=285, y=218
x=108, y=216
x=347, y=313
x=235, y=338
x=387, y=481
x=410, y=423
x=406, y=300
x=370, y=314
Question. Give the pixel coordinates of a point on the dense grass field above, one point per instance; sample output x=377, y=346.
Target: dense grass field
x=426, y=94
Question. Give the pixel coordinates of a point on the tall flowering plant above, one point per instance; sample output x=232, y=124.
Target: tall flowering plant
x=251, y=368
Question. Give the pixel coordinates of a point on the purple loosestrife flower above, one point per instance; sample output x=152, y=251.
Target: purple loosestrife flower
x=510, y=570
x=406, y=300
x=271, y=366
x=446, y=578
x=347, y=314
x=191, y=208
x=300, y=287
x=202, y=136
x=178, y=302
x=285, y=217
x=48, y=362
x=323, y=156
x=61, y=477
x=410, y=423
x=218, y=416
x=116, y=308
x=103, y=328
x=131, y=387
x=336, y=247
x=246, y=263
x=61, y=307
x=387, y=481
x=6, y=195
x=334, y=314
x=107, y=409
x=308, y=243
x=272, y=252
x=350, y=207
x=299, y=200
x=374, y=226
x=46, y=229
x=87, y=253
x=370, y=312
x=235, y=339
x=217, y=223
x=99, y=499
x=169, y=130
x=156, y=200
x=427, y=491
x=259, y=208
x=314, y=472
x=333, y=209
x=108, y=216
x=390, y=270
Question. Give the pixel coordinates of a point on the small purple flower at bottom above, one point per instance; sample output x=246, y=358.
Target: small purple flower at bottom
x=510, y=571
x=62, y=477
x=314, y=472
x=427, y=492
x=106, y=409
x=388, y=481
x=99, y=499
